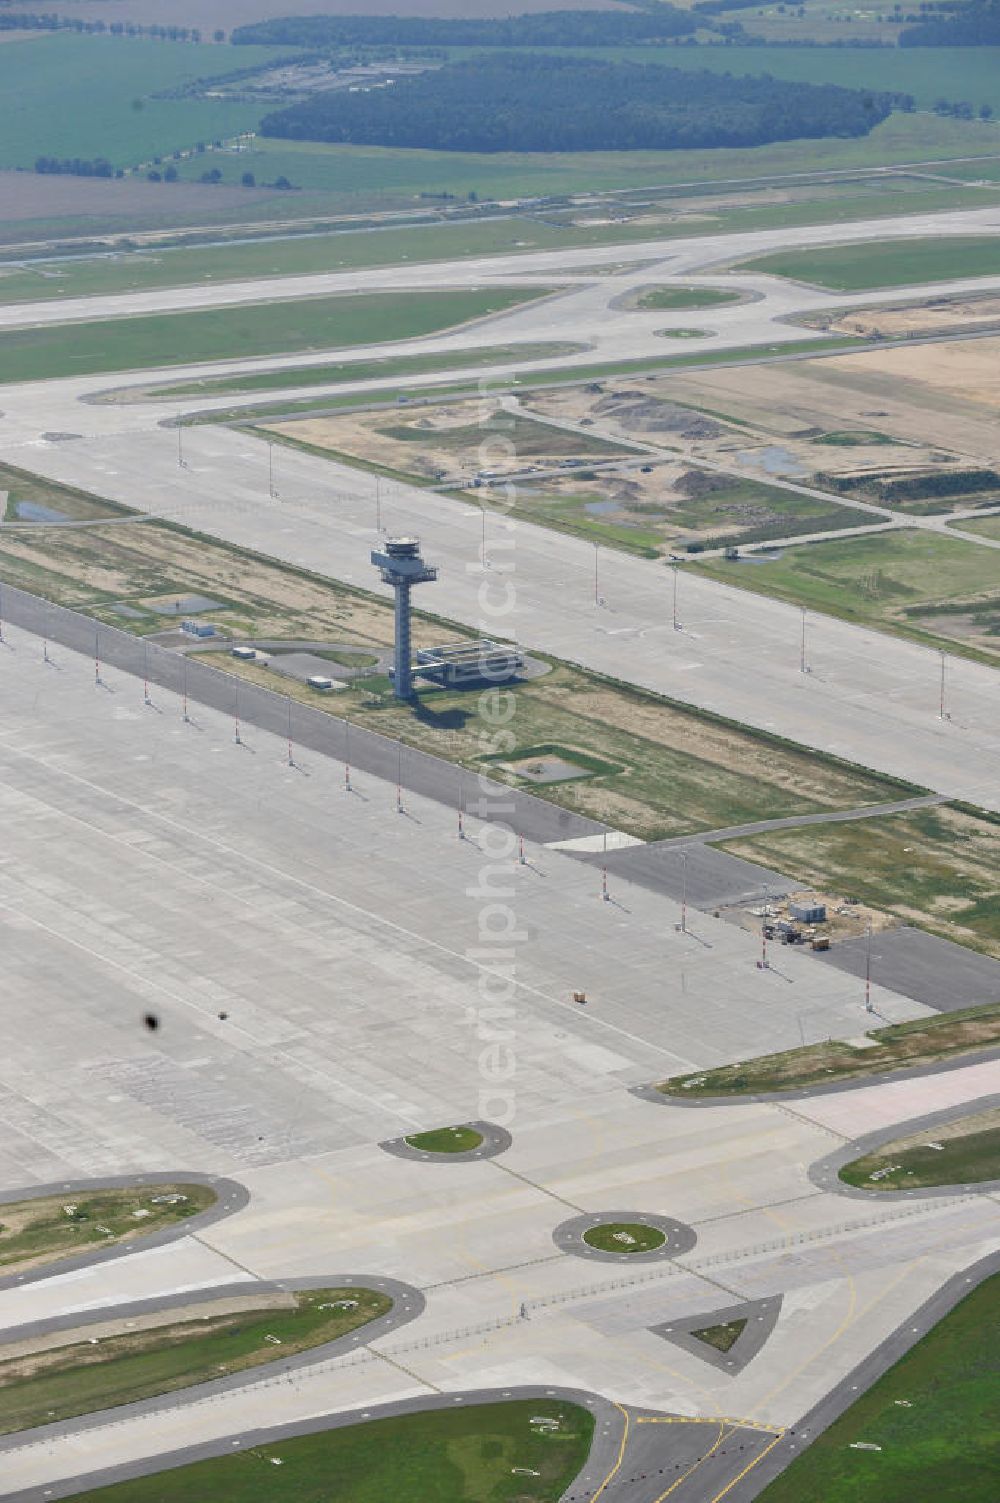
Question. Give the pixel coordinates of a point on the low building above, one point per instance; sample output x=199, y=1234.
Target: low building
x=458, y=663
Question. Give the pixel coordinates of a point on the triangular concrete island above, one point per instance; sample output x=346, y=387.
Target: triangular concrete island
x=727, y=1339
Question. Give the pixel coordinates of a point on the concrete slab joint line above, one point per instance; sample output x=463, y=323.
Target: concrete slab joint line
x=760, y=1317
x=678, y=1237
x=407, y=1305
x=231, y=1197
x=825, y=1172
x=496, y=1140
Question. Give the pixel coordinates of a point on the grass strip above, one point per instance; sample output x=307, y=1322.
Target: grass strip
x=901, y=1046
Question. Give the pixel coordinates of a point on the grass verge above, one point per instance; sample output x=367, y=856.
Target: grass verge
x=95, y=1374
x=964, y=1152
x=242, y=332
x=342, y=371
x=886, y=263
x=490, y=1453
x=901, y=1046
x=42, y=1231
x=932, y=1418
x=942, y=591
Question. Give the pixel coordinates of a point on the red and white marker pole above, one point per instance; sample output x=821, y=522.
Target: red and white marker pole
x=461, y=823
x=521, y=858
x=604, y=885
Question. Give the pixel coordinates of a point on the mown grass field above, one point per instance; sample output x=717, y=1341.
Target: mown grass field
x=933, y=1414
x=887, y=263
x=940, y=590
x=164, y=339
x=83, y=1378
x=439, y=1457
x=64, y=95
x=932, y=867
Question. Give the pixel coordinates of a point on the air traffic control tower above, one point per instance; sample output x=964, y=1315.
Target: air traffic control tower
x=402, y=567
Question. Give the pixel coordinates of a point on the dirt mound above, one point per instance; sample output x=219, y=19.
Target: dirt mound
x=638, y=411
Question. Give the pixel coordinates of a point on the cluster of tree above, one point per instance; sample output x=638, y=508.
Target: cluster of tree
x=538, y=102
x=974, y=25
x=961, y=109
x=560, y=28
x=931, y=485
x=11, y=21
x=77, y=167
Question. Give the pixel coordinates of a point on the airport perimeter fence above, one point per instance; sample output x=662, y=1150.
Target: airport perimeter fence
x=182, y=674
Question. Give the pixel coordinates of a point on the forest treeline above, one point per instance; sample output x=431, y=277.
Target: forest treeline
x=559, y=28
x=974, y=25
x=537, y=102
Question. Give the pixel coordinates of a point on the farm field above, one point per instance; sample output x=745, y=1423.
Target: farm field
x=474, y=1452
x=963, y=1151
x=666, y=769
x=935, y=868
x=105, y=88
x=929, y=74
x=886, y=263
x=940, y=590
x=933, y=1415
x=121, y=344
x=102, y=1367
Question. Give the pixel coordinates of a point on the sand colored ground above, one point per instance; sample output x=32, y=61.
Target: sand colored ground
x=949, y=390
x=915, y=318
x=452, y=442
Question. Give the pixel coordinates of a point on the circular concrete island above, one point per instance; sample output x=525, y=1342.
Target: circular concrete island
x=624, y=1237
x=460, y=1143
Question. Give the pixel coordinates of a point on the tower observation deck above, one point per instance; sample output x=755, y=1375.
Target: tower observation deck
x=400, y=565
